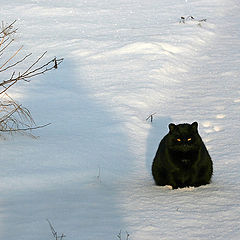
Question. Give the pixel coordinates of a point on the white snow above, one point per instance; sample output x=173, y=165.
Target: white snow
x=89, y=172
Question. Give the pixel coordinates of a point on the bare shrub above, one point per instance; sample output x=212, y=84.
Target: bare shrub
x=13, y=116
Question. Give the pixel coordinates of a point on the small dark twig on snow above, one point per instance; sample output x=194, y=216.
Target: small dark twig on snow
x=150, y=117
x=54, y=233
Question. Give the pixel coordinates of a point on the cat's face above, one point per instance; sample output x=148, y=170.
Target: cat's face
x=183, y=137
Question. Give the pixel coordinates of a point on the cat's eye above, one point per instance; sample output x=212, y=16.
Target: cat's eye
x=189, y=139
x=178, y=139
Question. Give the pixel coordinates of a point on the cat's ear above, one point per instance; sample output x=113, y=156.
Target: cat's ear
x=194, y=126
x=171, y=127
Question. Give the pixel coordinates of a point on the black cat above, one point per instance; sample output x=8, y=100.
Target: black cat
x=182, y=159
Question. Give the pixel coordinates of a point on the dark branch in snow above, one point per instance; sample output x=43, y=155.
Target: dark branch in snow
x=150, y=117
x=120, y=235
x=191, y=18
x=54, y=233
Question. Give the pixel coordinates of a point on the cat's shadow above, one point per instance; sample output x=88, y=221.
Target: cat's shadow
x=159, y=128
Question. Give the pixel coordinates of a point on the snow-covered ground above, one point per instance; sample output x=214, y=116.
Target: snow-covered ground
x=89, y=172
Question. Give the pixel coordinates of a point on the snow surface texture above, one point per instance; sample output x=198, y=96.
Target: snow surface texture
x=89, y=173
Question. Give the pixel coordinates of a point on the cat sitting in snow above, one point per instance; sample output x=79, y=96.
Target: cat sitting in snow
x=182, y=159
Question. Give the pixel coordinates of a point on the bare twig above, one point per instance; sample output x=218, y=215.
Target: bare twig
x=35, y=63
x=54, y=233
x=16, y=63
x=52, y=64
x=191, y=18
x=25, y=129
x=14, y=117
x=11, y=57
x=41, y=69
x=5, y=30
x=6, y=88
x=4, y=48
x=150, y=117
x=127, y=235
x=120, y=235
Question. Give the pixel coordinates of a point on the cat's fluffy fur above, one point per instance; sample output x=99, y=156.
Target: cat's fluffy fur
x=182, y=159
